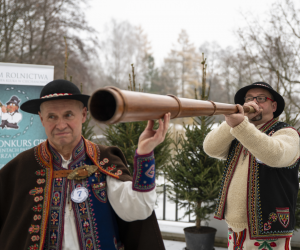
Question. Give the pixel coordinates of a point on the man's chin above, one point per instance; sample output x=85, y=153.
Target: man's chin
x=256, y=118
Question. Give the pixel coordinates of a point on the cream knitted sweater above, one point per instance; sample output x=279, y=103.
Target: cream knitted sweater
x=279, y=150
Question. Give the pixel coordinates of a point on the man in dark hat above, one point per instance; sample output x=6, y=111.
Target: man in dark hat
x=10, y=115
x=260, y=182
x=69, y=193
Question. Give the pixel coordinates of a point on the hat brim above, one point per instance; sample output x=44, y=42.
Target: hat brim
x=33, y=106
x=241, y=93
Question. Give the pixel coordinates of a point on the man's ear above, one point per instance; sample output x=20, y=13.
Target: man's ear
x=41, y=118
x=84, y=114
x=274, y=106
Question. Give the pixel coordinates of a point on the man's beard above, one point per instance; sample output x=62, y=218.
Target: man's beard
x=257, y=118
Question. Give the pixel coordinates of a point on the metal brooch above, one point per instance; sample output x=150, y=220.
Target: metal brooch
x=82, y=172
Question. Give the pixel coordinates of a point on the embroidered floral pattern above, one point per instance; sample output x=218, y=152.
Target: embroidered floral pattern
x=89, y=244
x=53, y=237
x=38, y=198
x=82, y=208
x=40, y=172
x=111, y=168
x=37, y=217
x=33, y=247
x=35, y=191
x=119, y=172
x=40, y=181
x=144, y=168
x=35, y=238
x=56, y=199
x=86, y=226
x=54, y=216
x=34, y=229
x=150, y=172
x=58, y=182
x=99, y=191
x=37, y=208
x=283, y=216
x=265, y=244
x=273, y=217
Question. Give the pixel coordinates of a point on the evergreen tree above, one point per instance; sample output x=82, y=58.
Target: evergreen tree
x=195, y=176
x=126, y=137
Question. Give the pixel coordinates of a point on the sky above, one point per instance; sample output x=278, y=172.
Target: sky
x=162, y=20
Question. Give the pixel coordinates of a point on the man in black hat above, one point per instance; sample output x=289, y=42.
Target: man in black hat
x=71, y=194
x=10, y=114
x=260, y=182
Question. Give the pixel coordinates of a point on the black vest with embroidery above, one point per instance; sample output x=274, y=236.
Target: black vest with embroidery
x=271, y=192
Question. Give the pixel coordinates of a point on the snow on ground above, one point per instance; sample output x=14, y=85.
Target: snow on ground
x=177, y=245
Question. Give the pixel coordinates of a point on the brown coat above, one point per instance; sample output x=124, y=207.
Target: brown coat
x=18, y=178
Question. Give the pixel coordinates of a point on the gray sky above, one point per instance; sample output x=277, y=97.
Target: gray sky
x=162, y=20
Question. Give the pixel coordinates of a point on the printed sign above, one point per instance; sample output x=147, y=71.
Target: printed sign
x=19, y=130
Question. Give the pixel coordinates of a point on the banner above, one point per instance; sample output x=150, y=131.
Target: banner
x=19, y=130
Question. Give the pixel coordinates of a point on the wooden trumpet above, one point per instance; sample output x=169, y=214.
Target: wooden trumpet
x=111, y=105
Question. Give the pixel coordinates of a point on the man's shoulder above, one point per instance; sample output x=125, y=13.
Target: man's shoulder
x=104, y=149
x=282, y=127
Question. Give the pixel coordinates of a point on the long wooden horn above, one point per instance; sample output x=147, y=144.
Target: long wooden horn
x=111, y=105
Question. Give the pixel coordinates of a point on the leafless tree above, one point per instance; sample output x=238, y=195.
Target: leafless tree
x=123, y=45
x=33, y=31
x=272, y=47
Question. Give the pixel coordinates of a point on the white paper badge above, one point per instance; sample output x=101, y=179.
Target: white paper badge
x=79, y=194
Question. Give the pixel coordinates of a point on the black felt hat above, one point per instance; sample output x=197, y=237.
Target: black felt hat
x=240, y=95
x=55, y=90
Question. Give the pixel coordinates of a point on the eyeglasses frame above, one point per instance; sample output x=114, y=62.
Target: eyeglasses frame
x=255, y=97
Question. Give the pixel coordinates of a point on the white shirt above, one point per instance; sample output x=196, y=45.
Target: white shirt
x=129, y=205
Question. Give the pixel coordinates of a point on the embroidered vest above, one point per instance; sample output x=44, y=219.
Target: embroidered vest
x=95, y=230
x=271, y=192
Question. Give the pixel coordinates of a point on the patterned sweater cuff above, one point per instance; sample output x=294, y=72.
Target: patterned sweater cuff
x=144, y=172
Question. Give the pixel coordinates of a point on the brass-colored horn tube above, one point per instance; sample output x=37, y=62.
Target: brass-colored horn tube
x=111, y=105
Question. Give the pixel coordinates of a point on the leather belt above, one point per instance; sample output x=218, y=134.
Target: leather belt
x=77, y=174
x=61, y=173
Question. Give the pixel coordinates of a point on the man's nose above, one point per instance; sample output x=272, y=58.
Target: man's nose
x=61, y=124
x=255, y=100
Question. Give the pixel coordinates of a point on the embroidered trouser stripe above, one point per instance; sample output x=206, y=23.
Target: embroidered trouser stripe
x=287, y=244
x=239, y=239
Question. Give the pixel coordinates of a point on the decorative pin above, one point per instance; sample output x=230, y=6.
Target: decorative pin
x=79, y=194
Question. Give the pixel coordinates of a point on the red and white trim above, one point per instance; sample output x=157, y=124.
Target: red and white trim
x=55, y=95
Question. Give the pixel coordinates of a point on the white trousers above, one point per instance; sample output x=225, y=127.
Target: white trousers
x=242, y=241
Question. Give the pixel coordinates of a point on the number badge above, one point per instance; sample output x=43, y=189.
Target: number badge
x=79, y=194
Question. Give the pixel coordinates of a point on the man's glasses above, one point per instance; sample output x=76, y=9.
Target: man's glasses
x=259, y=99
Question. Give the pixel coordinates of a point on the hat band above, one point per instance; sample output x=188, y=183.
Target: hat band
x=258, y=84
x=55, y=95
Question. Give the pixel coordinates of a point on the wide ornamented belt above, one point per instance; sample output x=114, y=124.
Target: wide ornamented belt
x=76, y=174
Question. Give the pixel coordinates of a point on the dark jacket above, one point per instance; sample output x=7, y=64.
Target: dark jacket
x=19, y=177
